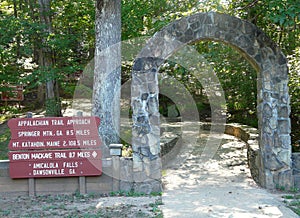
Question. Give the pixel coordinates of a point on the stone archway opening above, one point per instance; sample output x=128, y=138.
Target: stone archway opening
x=275, y=167
x=235, y=72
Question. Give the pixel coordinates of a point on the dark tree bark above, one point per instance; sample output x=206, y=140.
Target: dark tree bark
x=46, y=62
x=107, y=73
x=17, y=36
x=34, y=14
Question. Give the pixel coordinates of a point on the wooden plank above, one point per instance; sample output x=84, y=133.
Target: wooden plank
x=82, y=185
x=31, y=187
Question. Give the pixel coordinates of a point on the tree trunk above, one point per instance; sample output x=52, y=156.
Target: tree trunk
x=18, y=39
x=34, y=15
x=107, y=73
x=46, y=62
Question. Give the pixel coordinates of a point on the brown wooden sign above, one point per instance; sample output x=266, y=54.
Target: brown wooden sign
x=16, y=94
x=35, y=144
x=54, y=133
x=55, y=163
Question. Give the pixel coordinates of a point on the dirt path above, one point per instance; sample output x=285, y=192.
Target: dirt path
x=219, y=188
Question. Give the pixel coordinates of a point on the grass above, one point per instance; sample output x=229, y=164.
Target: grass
x=133, y=194
x=126, y=194
x=4, y=136
x=4, y=140
x=156, y=209
x=293, y=202
x=4, y=212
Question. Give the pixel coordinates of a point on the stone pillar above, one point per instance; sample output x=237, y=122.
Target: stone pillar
x=274, y=129
x=146, y=126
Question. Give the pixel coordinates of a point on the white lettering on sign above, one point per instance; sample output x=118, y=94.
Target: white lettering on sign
x=53, y=144
x=57, y=122
x=41, y=156
x=32, y=144
x=79, y=121
x=15, y=144
x=22, y=156
x=72, y=154
x=28, y=133
x=70, y=132
x=84, y=154
x=59, y=133
x=47, y=133
x=48, y=172
x=70, y=164
x=72, y=143
x=60, y=155
x=82, y=132
x=33, y=123
x=45, y=165
x=89, y=142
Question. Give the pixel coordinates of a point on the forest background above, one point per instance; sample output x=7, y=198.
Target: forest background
x=46, y=44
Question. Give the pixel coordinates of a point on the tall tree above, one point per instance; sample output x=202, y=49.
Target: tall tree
x=107, y=73
x=46, y=61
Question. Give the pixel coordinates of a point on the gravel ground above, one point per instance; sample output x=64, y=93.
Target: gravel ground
x=77, y=205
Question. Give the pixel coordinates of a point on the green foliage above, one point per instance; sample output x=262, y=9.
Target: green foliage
x=52, y=107
x=293, y=202
x=9, y=64
x=280, y=19
x=156, y=209
x=71, y=43
x=237, y=77
x=134, y=194
x=138, y=17
x=294, y=82
x=294, y=90
x=4, y=140
x=127, y=194
x=73, y=36
x=144, y=17
x=5, y=213
x=72, y=40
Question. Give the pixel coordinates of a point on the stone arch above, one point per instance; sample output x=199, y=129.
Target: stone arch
x=273, y=108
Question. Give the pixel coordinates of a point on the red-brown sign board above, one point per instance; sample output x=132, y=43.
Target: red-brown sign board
x=53, y=122
x=70, y=132
x=54, y=133
x=16, y=94
x=55, y=163
x=42, y=143
x=77, y=134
